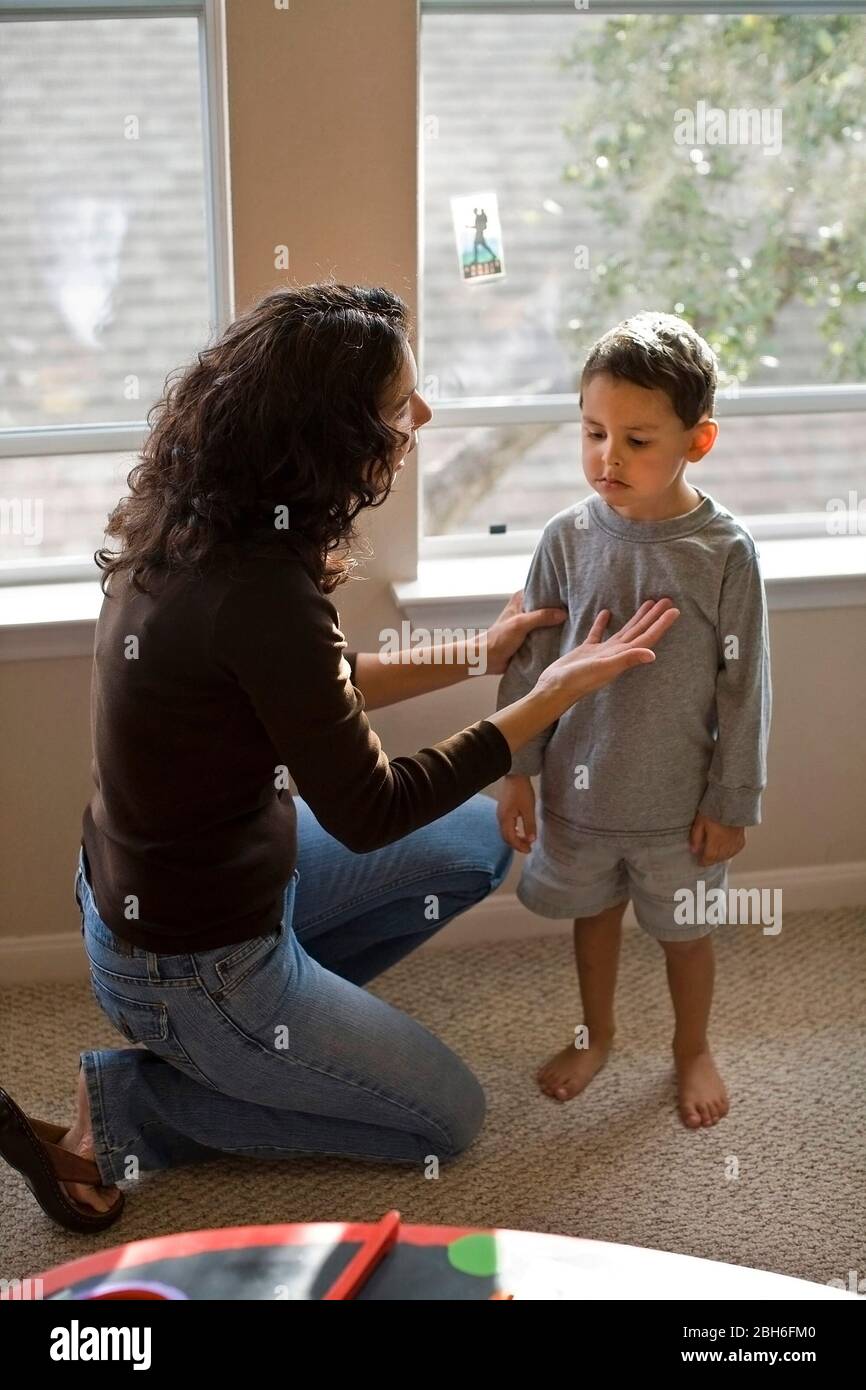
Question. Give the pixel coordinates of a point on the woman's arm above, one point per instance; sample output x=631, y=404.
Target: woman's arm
x=593, y=664
x=276, y=635
x=385, y=678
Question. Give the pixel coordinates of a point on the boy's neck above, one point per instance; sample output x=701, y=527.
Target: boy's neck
x=668, y=505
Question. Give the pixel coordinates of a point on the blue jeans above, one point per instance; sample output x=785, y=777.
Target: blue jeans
x=272, y=1047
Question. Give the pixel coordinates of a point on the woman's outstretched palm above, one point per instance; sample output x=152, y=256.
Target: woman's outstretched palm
x=599, y=660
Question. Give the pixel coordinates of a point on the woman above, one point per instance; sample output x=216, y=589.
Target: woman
x=230, y=927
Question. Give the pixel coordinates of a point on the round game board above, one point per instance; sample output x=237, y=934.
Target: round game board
x=425, y=1262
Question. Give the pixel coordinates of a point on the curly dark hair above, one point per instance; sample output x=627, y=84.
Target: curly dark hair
x=283, y=411
x=662, y=353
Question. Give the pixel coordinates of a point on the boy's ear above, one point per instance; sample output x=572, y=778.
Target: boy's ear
x=704, y=436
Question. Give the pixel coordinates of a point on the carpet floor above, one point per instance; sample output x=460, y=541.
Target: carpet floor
x=789, y=1033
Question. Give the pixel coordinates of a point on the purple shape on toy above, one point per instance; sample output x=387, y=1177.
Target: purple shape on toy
x=137, y=1290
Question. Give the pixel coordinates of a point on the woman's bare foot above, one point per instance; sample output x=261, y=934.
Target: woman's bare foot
x=572, y=1069
x=79, y=1140
x=703, y=1100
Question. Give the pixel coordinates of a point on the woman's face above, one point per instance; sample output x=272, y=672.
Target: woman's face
x=405, y=409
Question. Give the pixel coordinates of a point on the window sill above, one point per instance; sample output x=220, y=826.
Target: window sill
x=48, y=620
x=40, y=621
x=799, y=573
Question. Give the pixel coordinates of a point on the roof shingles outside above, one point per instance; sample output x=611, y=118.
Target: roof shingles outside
x=499, y=102
x=500, y=99
x=103, y=252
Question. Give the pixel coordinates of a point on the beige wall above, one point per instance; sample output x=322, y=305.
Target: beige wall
x=323, y=114
x=313, y=90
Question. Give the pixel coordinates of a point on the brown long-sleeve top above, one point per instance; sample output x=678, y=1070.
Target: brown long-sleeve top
x=204, y=694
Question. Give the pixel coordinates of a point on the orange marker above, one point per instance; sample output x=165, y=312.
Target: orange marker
x=499, y=1295
x=380, y=1240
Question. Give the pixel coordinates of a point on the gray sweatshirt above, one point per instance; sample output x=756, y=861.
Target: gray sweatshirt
x=687, y=733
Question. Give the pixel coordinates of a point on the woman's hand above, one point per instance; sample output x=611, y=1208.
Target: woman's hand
x=596, y=662
x=599, y=660
x=507, y=634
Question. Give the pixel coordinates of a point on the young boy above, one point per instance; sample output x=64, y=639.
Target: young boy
x=646, y=785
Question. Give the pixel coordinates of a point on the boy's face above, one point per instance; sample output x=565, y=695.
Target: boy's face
x=635, y=446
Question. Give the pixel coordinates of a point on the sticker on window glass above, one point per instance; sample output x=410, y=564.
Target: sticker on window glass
x=479, y=237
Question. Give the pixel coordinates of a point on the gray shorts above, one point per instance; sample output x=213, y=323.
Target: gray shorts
x=573, y=874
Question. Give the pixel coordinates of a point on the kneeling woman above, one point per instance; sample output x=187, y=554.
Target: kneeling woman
x=231, y=927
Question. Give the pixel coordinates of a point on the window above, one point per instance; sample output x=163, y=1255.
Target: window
x=611, y=200
x=112, y=260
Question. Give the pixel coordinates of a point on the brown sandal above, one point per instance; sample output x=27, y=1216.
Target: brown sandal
x=32, y=1147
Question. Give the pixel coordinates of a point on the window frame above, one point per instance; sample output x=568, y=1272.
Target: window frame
x=478, y=411
x=129, y=435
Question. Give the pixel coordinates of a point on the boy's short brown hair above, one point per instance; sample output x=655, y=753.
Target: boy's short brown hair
x=662, y=353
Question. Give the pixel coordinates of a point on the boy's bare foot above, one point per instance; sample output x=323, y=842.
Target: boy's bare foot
x=572, y=1069
x=79, y=1140
x=703, y=1100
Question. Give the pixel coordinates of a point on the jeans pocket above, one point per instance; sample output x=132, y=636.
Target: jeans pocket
x=255, y=991
x=137, y=1021
x=233, y=969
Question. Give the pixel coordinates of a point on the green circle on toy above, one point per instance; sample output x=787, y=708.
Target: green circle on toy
x=474, y=1255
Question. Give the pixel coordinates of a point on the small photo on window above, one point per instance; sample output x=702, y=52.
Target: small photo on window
x=479, y=237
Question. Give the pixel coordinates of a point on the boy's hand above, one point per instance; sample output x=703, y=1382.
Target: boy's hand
x=714, y=842
x=516, y=813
